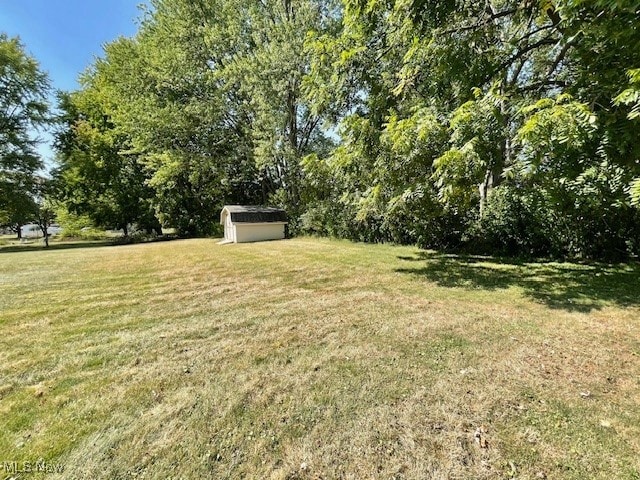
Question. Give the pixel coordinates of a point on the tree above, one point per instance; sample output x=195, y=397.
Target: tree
x=44, y=213
x=96, y=177
x=482, y=69
x=496, y=126
x=17, y=208
x=268, y=70
x=242, y=76
x=23, y=110
x=191, y=136
x=160, y=99
x=208, y=97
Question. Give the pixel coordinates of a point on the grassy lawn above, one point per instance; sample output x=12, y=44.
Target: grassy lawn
x=316, y=359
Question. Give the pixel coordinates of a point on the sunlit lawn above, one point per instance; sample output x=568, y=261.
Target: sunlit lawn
x=313, y=358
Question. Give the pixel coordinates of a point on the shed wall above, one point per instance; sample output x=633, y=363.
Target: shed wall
x=258, y=232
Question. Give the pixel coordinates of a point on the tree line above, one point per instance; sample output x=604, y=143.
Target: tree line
x=500, y=126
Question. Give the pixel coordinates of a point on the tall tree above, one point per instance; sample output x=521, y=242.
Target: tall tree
x=44, y=213
x=186, y=134
x=23, y=110
x=483, y=68
x=268, y=70
x=96, y=176
x=209, y=93
x=497, y=124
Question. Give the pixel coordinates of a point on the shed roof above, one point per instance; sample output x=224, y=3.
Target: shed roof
x=253, y=214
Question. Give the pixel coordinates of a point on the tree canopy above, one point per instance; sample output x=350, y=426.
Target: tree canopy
x=23, y=110
x=497, y=126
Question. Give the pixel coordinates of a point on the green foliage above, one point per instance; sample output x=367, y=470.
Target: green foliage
x=527, y=97
x=634, y=191
x=455, y=172
x=517, y=222
x=16, y=207
x=206, y=104
x=269, y=73
x=95, y=178
x=23, y=110
x=555, y=136
x=631, y=95
x=45, y=206
x=500, y=126
x=76, y=226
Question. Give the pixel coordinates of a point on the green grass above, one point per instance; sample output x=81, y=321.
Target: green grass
x=313, y=359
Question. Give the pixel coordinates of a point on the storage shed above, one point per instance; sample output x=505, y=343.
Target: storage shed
x=251, y=223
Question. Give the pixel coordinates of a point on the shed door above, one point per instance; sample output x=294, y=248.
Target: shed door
x=228, y=228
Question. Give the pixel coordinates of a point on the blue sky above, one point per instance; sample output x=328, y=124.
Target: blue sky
x=66, y=35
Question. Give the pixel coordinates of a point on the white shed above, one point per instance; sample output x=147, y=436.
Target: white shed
x=250, y=223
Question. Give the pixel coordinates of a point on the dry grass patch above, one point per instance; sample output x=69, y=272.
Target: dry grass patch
x=317, y=359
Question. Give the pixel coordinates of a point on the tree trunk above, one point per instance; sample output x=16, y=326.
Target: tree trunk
x=493, y=174
x=485, y=187
x=19, y=232
x=492, y=178
x=44, y=227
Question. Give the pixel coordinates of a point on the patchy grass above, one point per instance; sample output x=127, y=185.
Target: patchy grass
x=317, y=359
x=10, y=243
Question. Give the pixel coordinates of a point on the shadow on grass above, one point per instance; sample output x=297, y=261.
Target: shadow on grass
x=39, y=247
x=76, y=244
x=566, y=286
